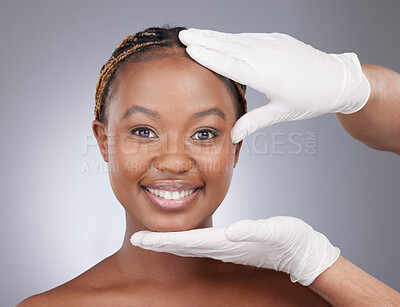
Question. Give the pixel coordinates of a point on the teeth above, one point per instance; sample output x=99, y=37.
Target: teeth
x=175, y=195
x=170, y=195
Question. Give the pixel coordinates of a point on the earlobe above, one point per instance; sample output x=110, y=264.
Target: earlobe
x=99, y=131
x=237, y=150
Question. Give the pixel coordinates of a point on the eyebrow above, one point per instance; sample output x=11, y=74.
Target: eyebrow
x=213, y=111
x=139, y=109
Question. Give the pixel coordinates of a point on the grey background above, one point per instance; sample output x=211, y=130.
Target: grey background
x=58, y=220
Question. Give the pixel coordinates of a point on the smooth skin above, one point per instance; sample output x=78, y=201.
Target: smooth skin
x=377, y=124
x=176, y=87
x=345, y=284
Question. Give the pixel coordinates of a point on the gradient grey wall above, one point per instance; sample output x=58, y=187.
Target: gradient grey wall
x=58, y=213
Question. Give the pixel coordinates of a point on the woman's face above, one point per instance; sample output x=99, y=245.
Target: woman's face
x=168, y=130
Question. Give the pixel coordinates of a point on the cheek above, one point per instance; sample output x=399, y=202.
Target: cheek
x=129, y=156
x=216, y=165
x=127, y=162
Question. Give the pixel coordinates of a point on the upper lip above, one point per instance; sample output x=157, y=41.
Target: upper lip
x=172, y=185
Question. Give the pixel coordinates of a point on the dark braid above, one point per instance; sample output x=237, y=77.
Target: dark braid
x=146, y=45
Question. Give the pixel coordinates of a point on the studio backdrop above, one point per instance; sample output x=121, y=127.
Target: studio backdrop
x=59, y=215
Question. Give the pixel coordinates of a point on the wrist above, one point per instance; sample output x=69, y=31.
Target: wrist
x=319, y=255
x=345, y=284
x=357, y=89
x=308, y=278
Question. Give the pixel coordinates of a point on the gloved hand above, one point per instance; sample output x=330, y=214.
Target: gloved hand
x=300, y=81
x=281, y=243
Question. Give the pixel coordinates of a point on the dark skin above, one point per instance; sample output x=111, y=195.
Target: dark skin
x=377, y=124
x=173, y=151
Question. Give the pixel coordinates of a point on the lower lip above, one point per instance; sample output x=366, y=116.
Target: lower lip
x=170, y=204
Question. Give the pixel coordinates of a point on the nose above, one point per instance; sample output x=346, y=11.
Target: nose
x=174, y=157
x=174, y=163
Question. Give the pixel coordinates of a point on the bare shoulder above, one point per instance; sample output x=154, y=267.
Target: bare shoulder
x=77, y=291
x=63, y=295
x=48, y=298
x=33, y=301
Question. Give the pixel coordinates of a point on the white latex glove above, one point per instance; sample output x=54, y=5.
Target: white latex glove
x=281, y=243
x=300, y=81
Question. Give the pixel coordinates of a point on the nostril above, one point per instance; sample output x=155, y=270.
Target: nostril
x=174, y=163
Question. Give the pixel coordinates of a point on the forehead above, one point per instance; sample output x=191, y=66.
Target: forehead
x=176, y=82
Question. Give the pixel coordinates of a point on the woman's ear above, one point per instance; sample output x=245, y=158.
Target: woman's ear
x=99, y=131
x=237, y=150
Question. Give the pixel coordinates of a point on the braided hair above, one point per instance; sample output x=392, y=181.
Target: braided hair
x=151, y=43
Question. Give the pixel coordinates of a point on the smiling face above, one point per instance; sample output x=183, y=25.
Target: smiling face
x=168, y=130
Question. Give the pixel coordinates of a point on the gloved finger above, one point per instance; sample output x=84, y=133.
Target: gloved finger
x=233, y=36
x=218, y=250
x=208, y=242
x=182, y=252
x=256, y=119
x=217, y=246
x=274, y=230
x=198, y=36
x=258, y=36
x=249, y=231
x=232, y=68
x=203, y=238
x=231, y=45
x=136, y=238
x=209, y=32
x=273, y=36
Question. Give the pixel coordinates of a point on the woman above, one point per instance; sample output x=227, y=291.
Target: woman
x=163, y=125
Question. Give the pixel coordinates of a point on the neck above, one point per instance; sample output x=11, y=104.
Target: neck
x=136, y=263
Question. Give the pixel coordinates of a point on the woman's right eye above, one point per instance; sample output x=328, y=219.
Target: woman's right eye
x=144, y=132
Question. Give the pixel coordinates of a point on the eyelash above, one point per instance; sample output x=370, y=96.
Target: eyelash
x=207, y=130
x=137, y=129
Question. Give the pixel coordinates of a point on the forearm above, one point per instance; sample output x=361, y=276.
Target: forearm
x=377, y=124
x=345, y=284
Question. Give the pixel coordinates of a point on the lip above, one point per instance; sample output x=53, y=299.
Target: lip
x=170, y=204
x=172, y=185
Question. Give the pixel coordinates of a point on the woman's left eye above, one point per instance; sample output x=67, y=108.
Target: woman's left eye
x=204, y=135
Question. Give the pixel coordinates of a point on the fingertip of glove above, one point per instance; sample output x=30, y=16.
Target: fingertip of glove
x=190, y=36
x=137, y=238
x=237, y=134
x=236, y=138
x=184, y=36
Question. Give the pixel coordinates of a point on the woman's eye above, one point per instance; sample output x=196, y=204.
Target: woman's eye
x=144, y=132
x=204, y=135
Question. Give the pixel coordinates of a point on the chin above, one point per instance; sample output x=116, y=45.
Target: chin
x=177, y=223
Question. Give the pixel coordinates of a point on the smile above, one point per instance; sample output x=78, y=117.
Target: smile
x=172, y=196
